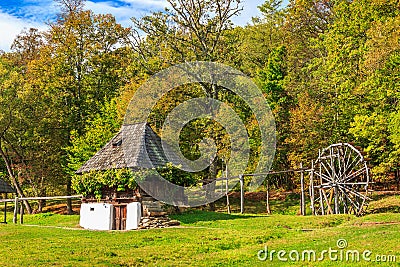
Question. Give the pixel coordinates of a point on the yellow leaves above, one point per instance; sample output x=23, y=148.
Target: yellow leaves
x=306, y=127
x=383, y=40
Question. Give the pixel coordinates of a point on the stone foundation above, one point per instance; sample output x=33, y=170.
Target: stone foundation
x=157, y=222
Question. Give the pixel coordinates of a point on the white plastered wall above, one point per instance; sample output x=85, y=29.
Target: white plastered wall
x=133, y=215
x=96, y=216
x=100, y=216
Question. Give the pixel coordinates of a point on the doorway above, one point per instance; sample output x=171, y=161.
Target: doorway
x=119, y=217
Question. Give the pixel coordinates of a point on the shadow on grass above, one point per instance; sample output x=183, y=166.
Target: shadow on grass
x=194, y=216
x=389, y=209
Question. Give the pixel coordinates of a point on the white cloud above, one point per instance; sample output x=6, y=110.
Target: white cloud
x=123, y=14
x=140, y=8
x=148, y=3
x=11, y=26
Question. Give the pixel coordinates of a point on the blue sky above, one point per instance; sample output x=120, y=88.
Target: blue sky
x=16, y=15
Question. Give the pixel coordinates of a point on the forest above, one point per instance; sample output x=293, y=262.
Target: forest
x=329, y=70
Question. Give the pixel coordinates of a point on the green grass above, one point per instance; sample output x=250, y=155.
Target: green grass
x=288, y=206
x=204, y=239
x=386, y=204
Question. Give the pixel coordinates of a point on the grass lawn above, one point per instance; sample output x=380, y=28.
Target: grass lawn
x=203, y=239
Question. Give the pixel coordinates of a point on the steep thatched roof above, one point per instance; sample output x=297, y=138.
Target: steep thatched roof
x=135, y=146
x=5, y=188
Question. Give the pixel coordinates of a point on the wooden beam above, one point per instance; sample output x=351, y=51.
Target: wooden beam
x=48, y=198
x=15, y=210
x=267, y=204
x=302, y=198
x=311, y=186
x=7, y=200
x=227, y=190
x=330, y=211
x=241, y=178
x=5, y=212
x=21, y=217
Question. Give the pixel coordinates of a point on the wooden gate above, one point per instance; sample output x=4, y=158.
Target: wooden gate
x=119, y=217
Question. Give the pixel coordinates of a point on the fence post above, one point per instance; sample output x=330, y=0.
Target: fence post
x=311, y=187
x=5, y=211
x=302, y=200
x=228, y=205
x=267, y=204
x=241, y=193
x=15, y=210
x=21, y=218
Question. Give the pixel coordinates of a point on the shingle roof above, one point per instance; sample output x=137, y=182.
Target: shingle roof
x=5, y=188
x=135, y=146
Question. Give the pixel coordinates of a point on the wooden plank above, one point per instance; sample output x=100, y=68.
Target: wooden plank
x=312, y=188
x=21, y=217
x=227, y=191
x=302, y=199
x=330, y=211
x=5, y=212
x=241, y=194
x=261, y=174
x=321, y=202
x=331, y=191
x=15, y=210
x=48, y=198
x=7, y=200
x=267, y=204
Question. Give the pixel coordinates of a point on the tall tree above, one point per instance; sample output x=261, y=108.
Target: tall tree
x=69, y=72
x=191, y=30
x=194, y=30
x=12, y=121
x=271, y=79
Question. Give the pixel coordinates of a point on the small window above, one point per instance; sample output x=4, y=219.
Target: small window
x=91, y=209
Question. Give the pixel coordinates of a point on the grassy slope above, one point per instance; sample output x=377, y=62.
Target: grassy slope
x=205, y=239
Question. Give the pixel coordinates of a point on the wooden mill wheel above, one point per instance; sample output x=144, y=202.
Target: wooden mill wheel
x=339, y=181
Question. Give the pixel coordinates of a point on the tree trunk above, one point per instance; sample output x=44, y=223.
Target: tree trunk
x=211, y=192
x=267, y=196
x=213, y=92
x=14, y=180
x=42, y=202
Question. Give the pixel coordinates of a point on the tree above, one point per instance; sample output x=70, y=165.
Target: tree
x=192, y=30
x=259, y=39
x=84, y=67
x=68, y=73
x=271, y=79
x=11, y=119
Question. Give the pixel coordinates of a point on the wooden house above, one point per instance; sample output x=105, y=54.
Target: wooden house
x=135, y=147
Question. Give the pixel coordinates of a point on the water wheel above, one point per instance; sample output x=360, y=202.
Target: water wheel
x=339, y=181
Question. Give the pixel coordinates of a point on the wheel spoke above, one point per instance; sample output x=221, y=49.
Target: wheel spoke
x=330, y=177
x=323, y=176
x=354, y=175
x=351, y=200
x=354, y=192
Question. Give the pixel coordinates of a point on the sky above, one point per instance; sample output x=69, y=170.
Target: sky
x=17, y=15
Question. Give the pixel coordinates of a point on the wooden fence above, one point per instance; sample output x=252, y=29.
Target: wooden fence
x=17, y=201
